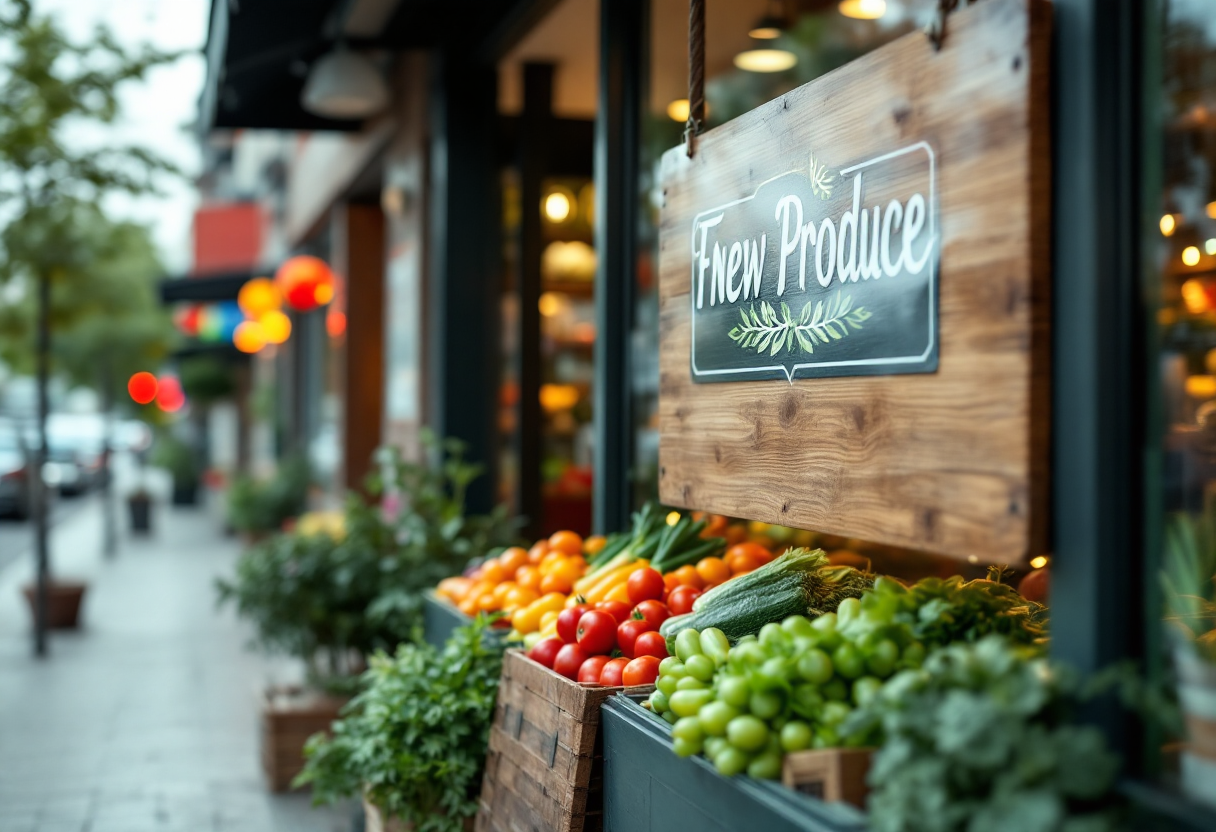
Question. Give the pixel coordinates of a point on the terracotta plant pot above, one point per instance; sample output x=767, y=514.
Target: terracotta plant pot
x=1197, y=694
x=63, y=600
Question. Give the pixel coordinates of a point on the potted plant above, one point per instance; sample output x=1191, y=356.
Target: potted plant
x=1189, y=577
x=413, y=743
x=333, y=591
x=259, y=507
x=179, y=458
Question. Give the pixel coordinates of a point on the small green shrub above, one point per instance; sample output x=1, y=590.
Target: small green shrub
x=416, y=737
x=258, y=506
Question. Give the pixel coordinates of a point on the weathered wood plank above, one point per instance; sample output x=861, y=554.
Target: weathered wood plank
x=955, y=461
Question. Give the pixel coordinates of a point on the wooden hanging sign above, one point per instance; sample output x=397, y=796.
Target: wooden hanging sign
x=854, y=316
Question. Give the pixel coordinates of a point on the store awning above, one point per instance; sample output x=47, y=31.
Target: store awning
x=258, y=56
x=209, y=289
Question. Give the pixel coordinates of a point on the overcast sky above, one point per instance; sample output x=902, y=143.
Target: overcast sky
x=159, y=113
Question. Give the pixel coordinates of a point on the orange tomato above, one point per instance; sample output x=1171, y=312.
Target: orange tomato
x=539, y=549
x=735, y=533
x=528, y=577
x=550, y=562
x=670, y=581
x=488, y=603
x=569, y=569
x=740, y=562
x=454, y=588
x=493, y=572
x=715, y=527
x=593, y=545
x=713, y=570
x=519, y=597
x=755, y=550
x=500, y=592
x=468, y=606
x=688, y=576
x=555, y=583
x=513, y=558
x=570, y=543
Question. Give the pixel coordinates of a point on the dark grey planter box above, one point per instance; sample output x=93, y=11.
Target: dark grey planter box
x=647, y=788
x=439, y=618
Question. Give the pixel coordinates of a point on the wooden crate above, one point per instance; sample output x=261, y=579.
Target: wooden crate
x=544, y=767
x=290, y=715
x=833, y=774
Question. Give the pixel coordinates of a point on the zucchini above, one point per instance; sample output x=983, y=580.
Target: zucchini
x=800, y=582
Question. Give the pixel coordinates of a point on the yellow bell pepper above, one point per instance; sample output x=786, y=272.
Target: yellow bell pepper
x=527, y=620
x=620, y=592
x=548, y=618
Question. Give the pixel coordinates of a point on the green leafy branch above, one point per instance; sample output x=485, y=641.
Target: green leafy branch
x=821, y=178
x=819, y=323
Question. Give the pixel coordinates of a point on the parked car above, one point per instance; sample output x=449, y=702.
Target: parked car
x=14, y=477
x=66, y=470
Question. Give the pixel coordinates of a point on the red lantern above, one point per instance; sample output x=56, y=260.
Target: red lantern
x=305, y=282
x=187, y=319
x=169, y=396
x=142, y=387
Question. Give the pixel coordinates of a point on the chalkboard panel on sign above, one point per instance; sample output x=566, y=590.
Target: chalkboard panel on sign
x=854, y=298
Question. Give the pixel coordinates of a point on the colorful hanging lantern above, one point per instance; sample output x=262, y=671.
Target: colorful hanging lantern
x=335, y=323
x=218, y=321
x=276, y=326
x=169, y=395
x=305, y=282
x=248, y=337
x=259, y=296
x=142, y=387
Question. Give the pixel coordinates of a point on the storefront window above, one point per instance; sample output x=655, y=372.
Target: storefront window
x=1181, y=251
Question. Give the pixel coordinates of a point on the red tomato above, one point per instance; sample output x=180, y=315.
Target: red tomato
x=655, y=612
x=645, y=584
x=627, y=634
x=545, y=651
x=650, y=644
x=681, y=598
x=619, y=610
x=590, y=670
x=611, y=674
x=597, y=632
x=641, y=671
x=567, y=623
x=569, y=659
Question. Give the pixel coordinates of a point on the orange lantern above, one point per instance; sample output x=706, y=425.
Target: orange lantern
x=249, y=337
x=335, y=323
x=259, y=296
x=305, y=282
x=276, y=327
x=142, y=387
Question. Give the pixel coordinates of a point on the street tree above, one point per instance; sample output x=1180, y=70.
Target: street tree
x=49, y=83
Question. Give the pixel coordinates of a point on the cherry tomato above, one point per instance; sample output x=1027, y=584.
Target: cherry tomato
x=650, y=644
x=567, y=623
x=627, y=634
x=681, y=598
x=569, y=659
x=590, y=669
x=596, y=632
x=645, y=584
x=619, y=610
x=569, y=542
x=641, y=671
x=545, y=651
x=655, y=612
x=612, y=672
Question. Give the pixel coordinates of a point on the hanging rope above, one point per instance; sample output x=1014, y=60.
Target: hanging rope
x=936, y=30
x=696, y=73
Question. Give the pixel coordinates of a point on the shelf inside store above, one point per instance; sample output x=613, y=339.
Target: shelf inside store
x=647, y=788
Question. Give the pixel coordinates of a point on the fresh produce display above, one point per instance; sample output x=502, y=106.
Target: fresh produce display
x=793, y=685
x=543, y=590
x=799, y=582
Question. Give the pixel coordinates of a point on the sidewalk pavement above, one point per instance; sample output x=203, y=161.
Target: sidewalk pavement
x=146, y=718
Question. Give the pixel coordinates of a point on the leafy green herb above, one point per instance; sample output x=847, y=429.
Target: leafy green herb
x=982, y=737
x=817, y=324
x=259, y=506
x=416, y=737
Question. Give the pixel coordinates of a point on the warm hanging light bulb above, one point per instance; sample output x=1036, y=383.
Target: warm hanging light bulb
x=765, y=60
x=863, y=9
x=772, y=24
x=1168, y=224
x=344, y=84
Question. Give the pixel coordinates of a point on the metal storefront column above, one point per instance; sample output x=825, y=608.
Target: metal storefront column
x=1098, y=352
x=463, y=291
x=624, y=58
